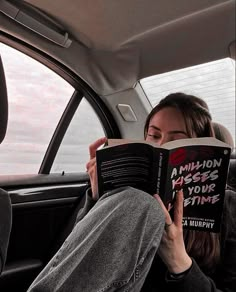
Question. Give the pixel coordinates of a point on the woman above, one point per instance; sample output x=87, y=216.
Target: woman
x=127, y=241
x=207, y=249
x=200, y=254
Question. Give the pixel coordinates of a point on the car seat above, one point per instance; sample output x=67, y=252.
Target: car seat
x=5, y=203
x=223, y=134
x=3, y=103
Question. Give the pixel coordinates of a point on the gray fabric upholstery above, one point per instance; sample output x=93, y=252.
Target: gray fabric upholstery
x=223, y=134
x=232, y=171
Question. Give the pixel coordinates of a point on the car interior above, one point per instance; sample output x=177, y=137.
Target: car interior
x=98, y=53
x=3, y=103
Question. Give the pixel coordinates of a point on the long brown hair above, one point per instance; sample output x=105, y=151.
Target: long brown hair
x=204, y=247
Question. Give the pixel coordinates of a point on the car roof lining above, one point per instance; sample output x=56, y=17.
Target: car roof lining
x=107, y=24
x=113, y=42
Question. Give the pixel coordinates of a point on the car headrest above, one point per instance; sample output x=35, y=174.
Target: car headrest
x=223, y=134
x=3, y=103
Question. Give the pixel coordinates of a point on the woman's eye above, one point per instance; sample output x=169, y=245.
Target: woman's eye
x=152, y=136
x=179, y=136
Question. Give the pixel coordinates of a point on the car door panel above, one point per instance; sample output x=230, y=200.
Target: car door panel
x=49, y=138
x=43, y=216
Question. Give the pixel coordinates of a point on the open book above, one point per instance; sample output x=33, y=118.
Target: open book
x=198, y=166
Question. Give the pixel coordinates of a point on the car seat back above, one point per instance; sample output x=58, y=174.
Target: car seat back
x=3, y=103
x=223, y=134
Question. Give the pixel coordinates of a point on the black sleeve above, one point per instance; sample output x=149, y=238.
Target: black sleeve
x=228, y=240
x=195, y=280
x=5, y=225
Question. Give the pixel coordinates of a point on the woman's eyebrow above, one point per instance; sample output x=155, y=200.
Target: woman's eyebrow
x=171, y=132
x=178, y=132
x=154, y=127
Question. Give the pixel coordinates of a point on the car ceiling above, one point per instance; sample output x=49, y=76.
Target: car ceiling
x=115, y=43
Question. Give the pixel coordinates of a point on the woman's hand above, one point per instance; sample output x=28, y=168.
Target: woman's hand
x=172, y=249
x=92, y=166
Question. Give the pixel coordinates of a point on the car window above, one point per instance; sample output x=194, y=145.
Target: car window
x=37, y=98
x=84, y=129
x=214, y=82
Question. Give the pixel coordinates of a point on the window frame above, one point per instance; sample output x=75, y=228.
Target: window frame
x=81, y=90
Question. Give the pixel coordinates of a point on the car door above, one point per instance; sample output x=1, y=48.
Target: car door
x=53, y=117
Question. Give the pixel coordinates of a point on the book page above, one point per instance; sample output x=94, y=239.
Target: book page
x=113, y=142
x=211, y=141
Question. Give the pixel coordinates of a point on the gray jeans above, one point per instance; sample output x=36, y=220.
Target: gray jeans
x=110, y=249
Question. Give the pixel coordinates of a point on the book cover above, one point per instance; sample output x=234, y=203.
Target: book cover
x=198, y=166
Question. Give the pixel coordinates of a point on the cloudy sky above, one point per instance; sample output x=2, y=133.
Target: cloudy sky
x=214, y=82
x=37, y=98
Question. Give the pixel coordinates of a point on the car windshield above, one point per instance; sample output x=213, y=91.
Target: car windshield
x=214, y=82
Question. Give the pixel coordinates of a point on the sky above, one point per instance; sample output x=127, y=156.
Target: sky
x=214, y=82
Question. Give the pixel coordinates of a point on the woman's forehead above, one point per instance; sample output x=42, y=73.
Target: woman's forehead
x=168, y=116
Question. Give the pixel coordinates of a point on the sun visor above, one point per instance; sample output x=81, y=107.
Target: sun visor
x=3, y=103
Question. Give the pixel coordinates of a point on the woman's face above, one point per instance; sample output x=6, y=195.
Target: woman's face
x=166, y=125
